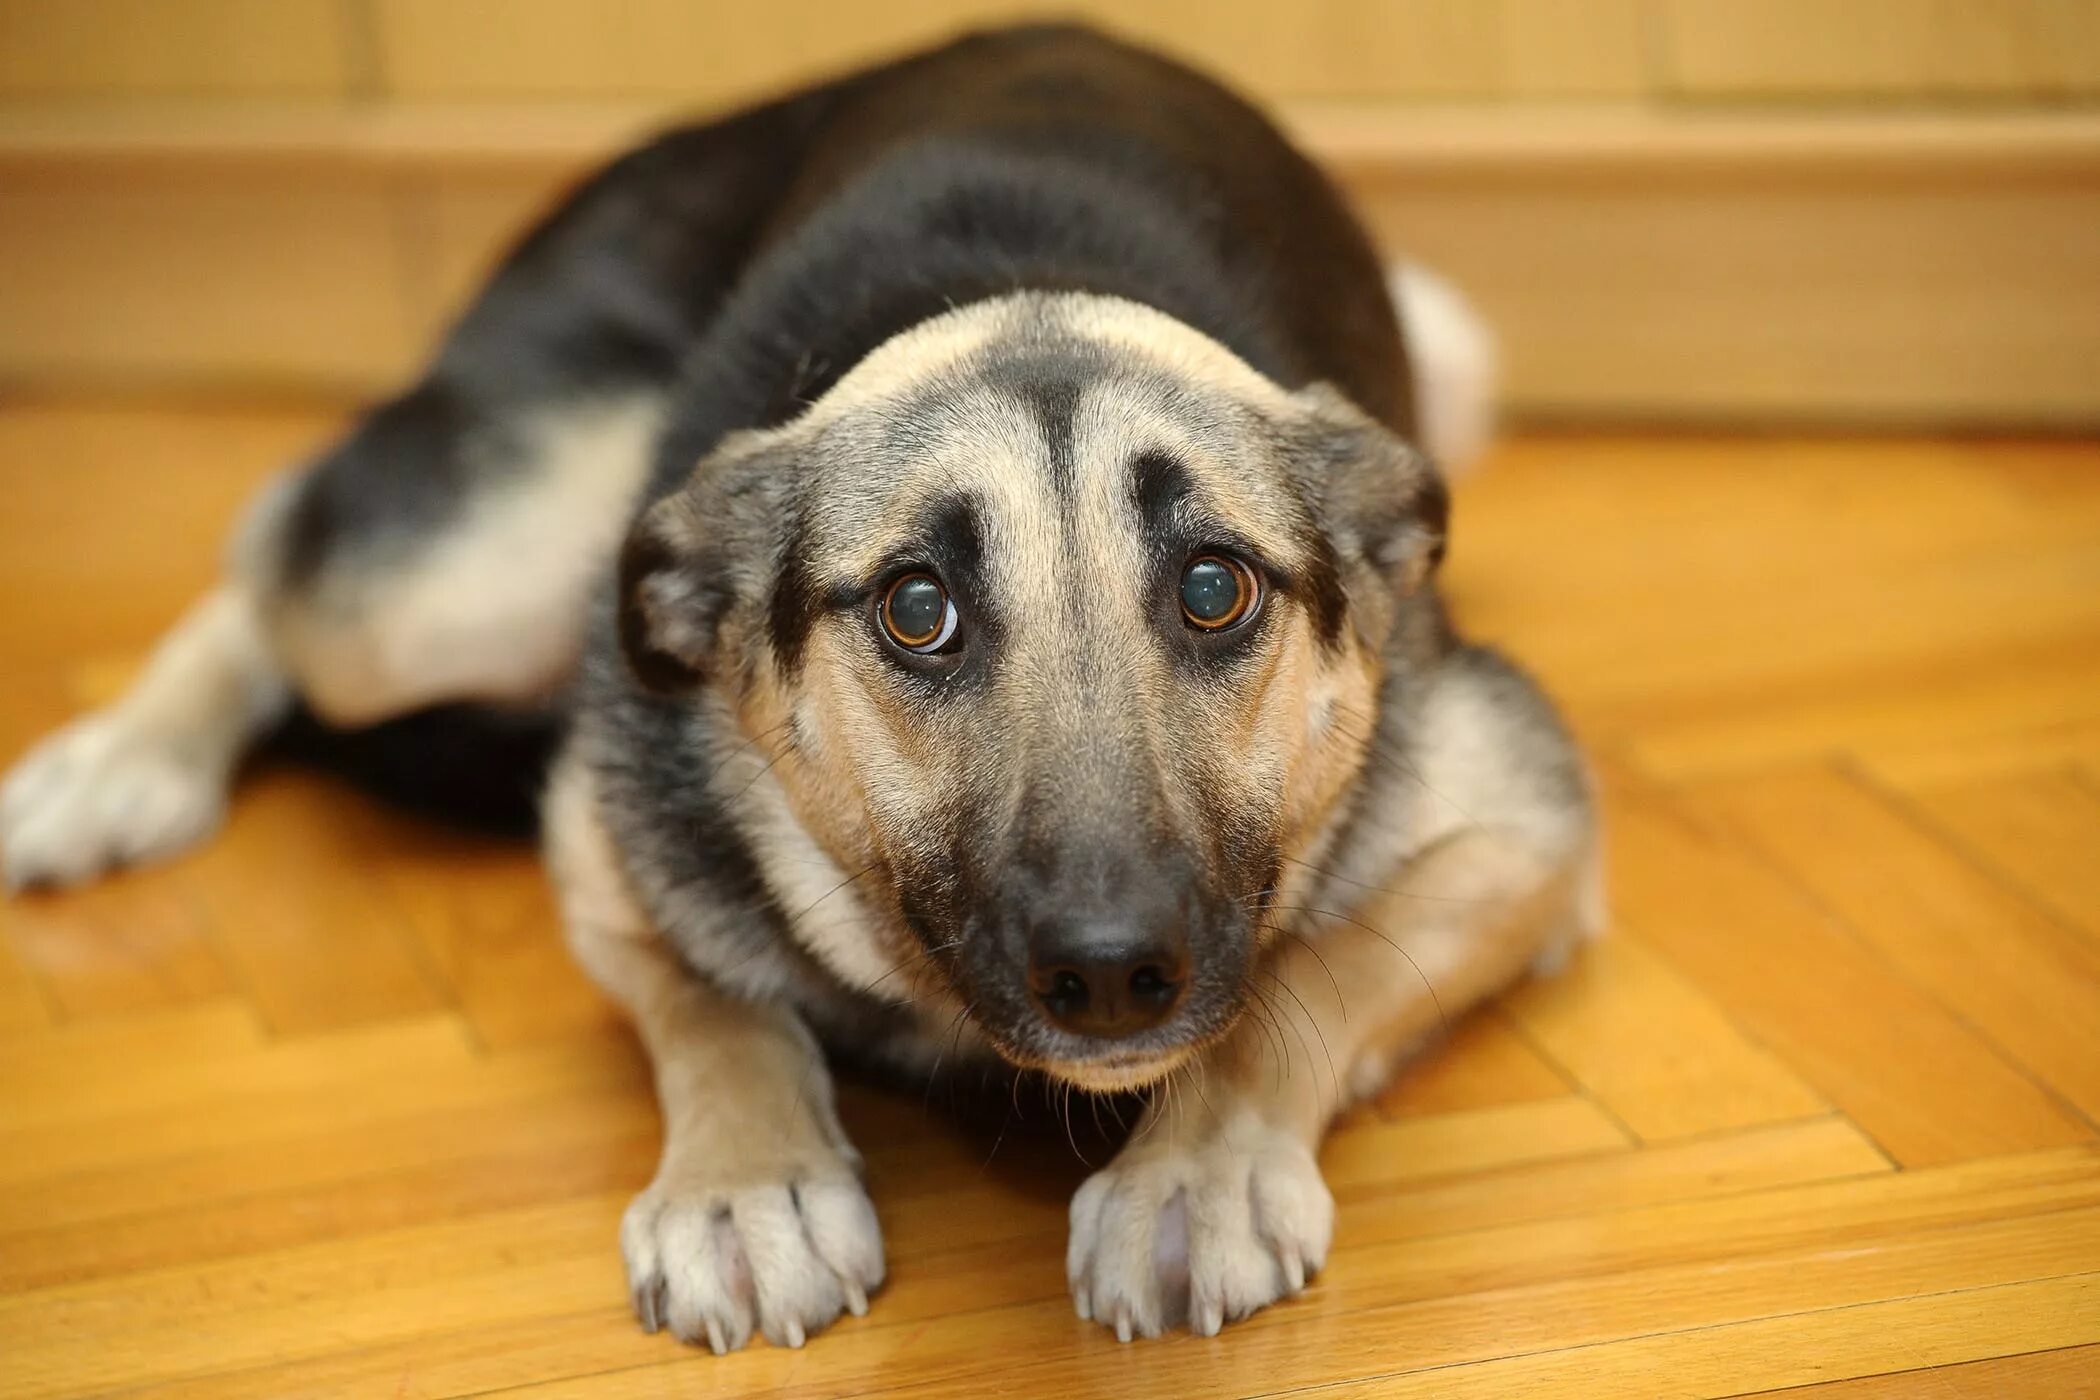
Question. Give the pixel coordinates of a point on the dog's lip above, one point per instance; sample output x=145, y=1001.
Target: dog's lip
x=1117, y=1074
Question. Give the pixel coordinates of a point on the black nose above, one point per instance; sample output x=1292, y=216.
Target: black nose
x=1106, y=983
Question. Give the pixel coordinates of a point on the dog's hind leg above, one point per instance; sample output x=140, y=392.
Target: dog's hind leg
x=442, y=553
x=147, y=775
x=445, y=550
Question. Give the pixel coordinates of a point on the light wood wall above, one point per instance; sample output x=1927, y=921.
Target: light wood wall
x=706, y=51
x=1862, y=210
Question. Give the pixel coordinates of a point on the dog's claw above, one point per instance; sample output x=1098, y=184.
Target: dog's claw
x=856, y=1296
x=1293, y=1263
x=1122, y=1324
x=715, y=1343
x=1082, y=1302
x=795, y=1336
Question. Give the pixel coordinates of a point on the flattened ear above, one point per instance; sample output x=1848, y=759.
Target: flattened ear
x=698, y=555
x=673, y=594
x=1383, y=504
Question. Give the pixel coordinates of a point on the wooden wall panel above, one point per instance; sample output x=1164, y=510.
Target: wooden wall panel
x=1800, y=271
x=161, y=48
x=128, y=274
x=478, y=49
x=702, y=53
x=1870, y=49
x=1920, y=301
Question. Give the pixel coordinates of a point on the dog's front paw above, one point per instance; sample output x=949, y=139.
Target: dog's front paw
x=709, y=1262
x=1206, y=1229
x=102, y=792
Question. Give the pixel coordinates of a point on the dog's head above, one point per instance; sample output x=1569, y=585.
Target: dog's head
x=1059, y=628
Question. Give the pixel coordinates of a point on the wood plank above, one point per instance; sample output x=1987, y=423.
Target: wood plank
x=2037, y=831
x=1755, y=294
x=343, y=1081
x=1482, y=1063
x=2026, y=982
x=1759, y=267
x=1943, y=1329
x=200, y=48
x=2066, y=1373
x=469, y=1274
x=2011, y=753
x=482, y=913
x=1374, y=1308
x=2023, y=549
x=2042, y=684
x=141, y=1068
x=1866, y=49
x=158, y=490
x=1655, y=1050
x=1347, y=48
x=555, y=1152
x=296, y=915
x=1787, y=1154
x=506, y=1354
x=128, y=944
x=171, y=276
x=1923, y=1085
x=197, y=1038
x=24, y=1006
x=1376, y=1154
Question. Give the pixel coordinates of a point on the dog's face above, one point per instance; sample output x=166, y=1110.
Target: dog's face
x=1059, y=627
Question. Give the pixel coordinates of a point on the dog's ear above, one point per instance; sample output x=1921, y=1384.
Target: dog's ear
x=693, y=558
x=1382, y=504
x=673, y=593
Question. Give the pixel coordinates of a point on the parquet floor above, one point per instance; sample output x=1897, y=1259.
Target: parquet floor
x=324, y=1111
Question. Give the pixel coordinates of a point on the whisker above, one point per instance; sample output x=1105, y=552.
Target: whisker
x=1321, y=1035
x=1307, y=944
x=913, y=961
x=1381, y=935
x=1385, y=889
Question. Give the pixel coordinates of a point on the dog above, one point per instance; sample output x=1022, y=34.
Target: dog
x=967, y=526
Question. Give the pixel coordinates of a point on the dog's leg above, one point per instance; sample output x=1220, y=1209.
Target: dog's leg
x=445, y=550
x=148, y=775
x=362, y=597
x=1216, y=1206
x=757, y=1215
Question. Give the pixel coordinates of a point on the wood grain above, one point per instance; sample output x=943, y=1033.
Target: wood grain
x=324, y=1110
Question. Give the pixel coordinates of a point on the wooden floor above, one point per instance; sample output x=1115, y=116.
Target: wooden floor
x=323, y=1110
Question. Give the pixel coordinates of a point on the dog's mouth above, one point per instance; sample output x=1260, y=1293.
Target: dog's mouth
x=1104, y=1066
x=1123, y=1073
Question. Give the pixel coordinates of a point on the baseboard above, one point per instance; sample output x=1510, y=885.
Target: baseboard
x=1762, y=268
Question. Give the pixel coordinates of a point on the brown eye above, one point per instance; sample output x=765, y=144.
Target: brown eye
x=1217, y=592
x=918, y=614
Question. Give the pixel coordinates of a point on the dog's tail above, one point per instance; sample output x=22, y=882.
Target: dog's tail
x=475, y=766
x=1452, y=356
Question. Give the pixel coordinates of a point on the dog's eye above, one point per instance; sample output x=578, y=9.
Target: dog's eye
x=918, y=614
x=1216, y=592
